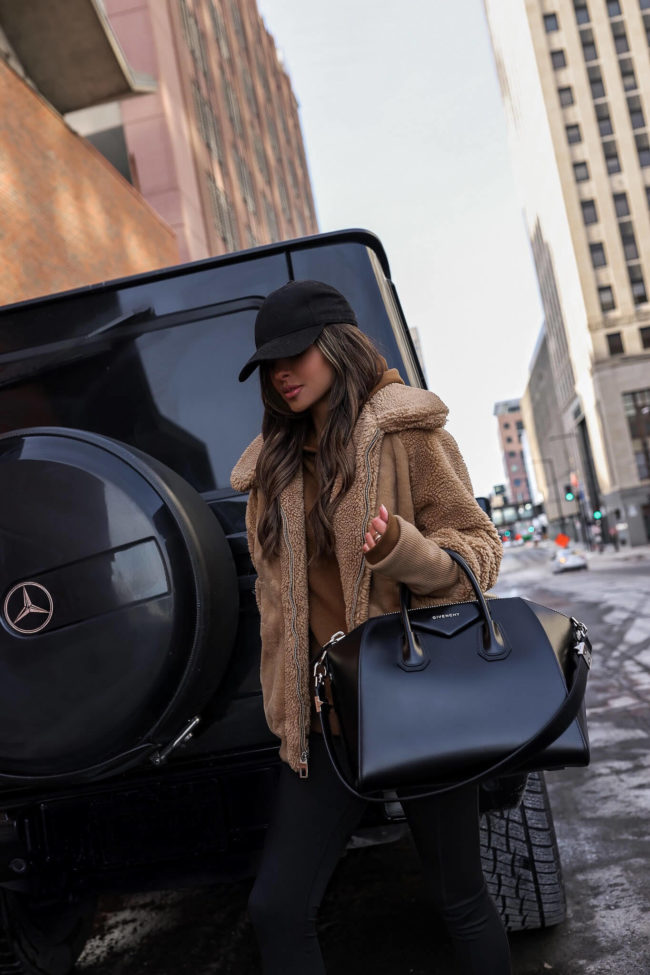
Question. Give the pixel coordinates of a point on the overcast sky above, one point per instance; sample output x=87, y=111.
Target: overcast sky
x=405, y=136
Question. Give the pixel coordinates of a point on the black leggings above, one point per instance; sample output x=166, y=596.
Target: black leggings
x=312, y=821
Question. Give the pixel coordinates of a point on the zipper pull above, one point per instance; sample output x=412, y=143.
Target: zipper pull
x=303, y=766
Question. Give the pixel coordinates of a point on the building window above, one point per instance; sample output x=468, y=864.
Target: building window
x=260, y=155
x=643, y=149
x=589, y=212
x=627, y=74
x=573, y=134
x=596, y=83
x=637, y=283
x=605, y=126
x=232, y=105
x=581, y=171
x=220, y=33
x=566, y=96
x=509, y=439
x=645, y=336
x=598, y=258
x=551, y=23
x=208, y=125
x=621, y=205
x=245, y=183
x=611, y=157
x=512, y=453
x=628, y=240
x=237, y=22
x=647, y=195
x=613, y=8
x=582, y=13
x=637, y=411
x=273, y=137
x=558, y=59
x=249, y=88
x=506, y=426
x=615, y=343
x=271, y=221
x=222, y=214
x=588, y=46
x=606, y=297
x=644, y=4
x=620, y=37
x=636, y=112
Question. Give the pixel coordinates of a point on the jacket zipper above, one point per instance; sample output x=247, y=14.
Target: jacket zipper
x=362, y=564
x=303, y=765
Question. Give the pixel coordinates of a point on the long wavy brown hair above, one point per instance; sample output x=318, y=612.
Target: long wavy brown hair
x=358, y=366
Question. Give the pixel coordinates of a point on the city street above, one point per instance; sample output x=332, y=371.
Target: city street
x=376, y=917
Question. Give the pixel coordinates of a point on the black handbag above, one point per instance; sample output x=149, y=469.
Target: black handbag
x=432, y=699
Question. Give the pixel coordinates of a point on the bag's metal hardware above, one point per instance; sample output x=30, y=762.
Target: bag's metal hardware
x=320, y=673
x=159, y=757
x=334, y=639
x=583, y=651
x=582, y=647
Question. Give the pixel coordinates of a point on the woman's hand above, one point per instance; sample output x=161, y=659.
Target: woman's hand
x=377, y=528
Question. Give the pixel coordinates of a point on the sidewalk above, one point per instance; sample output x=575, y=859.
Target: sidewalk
x=638, y=553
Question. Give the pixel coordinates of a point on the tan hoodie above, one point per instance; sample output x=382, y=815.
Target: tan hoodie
x=405, y=459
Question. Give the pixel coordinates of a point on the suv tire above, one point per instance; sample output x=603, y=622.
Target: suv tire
x=521, y=861
x=43, y=939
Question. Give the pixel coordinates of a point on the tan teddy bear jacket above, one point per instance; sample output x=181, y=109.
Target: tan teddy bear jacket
x=406, y=460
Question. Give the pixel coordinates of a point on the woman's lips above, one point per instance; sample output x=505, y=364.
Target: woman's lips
x=291, y=391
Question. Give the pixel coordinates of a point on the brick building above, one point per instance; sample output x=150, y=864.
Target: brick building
x=67, y=218
x=511, y=427
x=217, y=149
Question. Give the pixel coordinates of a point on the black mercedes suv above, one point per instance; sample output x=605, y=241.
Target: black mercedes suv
x=134, y=753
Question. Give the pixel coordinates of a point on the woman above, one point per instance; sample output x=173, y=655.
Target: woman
x=355, y=487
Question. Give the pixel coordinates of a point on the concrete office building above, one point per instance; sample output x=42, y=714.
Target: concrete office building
x=217, y=150
x=549, y=457
x=575, y=80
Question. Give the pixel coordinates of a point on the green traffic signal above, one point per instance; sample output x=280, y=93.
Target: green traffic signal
x=598, y=515
x=569, y=495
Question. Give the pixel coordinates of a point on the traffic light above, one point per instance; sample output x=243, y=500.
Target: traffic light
x=597, y=515
x=568, y=493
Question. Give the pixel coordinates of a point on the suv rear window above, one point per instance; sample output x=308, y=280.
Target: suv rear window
x=133, y=386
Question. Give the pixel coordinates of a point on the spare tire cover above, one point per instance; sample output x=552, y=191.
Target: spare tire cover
x=118, y=601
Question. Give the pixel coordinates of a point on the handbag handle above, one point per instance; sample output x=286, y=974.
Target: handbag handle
x=554, y=727
x=494, y=644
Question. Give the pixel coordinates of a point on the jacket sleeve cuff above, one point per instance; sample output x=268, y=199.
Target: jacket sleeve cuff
x=386, y=544
x=417, y=561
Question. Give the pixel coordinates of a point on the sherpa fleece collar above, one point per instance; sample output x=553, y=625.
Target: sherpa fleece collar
x=393, y=408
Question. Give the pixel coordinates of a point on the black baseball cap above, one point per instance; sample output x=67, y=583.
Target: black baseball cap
x=291, y=319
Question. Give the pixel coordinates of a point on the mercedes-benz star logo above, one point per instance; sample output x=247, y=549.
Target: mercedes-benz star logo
x=29, y=604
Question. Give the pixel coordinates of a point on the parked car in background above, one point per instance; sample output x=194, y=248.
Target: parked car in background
x=568, y=560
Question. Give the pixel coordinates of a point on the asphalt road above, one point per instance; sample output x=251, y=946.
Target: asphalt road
x=376, y=918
